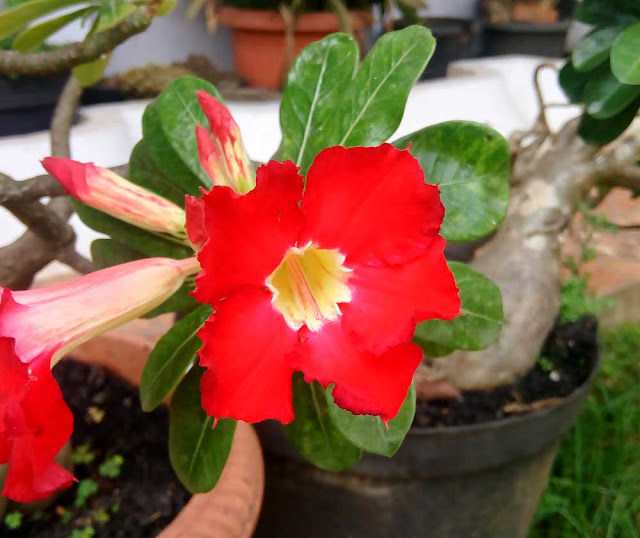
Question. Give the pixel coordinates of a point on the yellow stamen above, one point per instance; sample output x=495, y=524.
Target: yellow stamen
x=309, y=285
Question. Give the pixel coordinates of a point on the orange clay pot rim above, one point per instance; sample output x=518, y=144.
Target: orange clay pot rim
x=272, y=21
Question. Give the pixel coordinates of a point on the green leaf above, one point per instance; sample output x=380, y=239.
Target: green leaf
x=107, y=253
x=373, y=109
x=573, y=82
x=433, y=350
x=606, y=12
x=602, y=132
x=169, y=127
x=317, y=81
x=31, y=39
x=15, y=19
x=369, y=432
x=181, y=301
x=166, y=7
x=606, y=96
x=482, y=316
x=144, y=172
x=314, y=433
x=172, y=357
x=91, y=73
x=198, y=452
x=112, y=13
x=625, y=56
x=594, y=49
x=472, y=164
x=143, y=241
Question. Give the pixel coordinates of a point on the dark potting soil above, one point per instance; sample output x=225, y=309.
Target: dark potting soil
x=568, y=357
x=108, y=422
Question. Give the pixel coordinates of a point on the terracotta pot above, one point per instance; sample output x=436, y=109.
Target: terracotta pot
x=534, y=12
x=231, y=509
x=258, y=38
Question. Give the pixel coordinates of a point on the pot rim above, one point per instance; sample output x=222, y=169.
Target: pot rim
x=536, y=414
x=266, y=20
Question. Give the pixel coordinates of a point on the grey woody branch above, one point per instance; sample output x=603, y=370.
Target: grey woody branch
x=64, y=58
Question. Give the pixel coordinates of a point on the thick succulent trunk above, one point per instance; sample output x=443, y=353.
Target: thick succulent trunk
x=549, y=178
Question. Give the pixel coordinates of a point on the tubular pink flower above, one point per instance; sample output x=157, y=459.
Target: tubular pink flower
x=223, y=157
x=107, y=191
x=37, y=327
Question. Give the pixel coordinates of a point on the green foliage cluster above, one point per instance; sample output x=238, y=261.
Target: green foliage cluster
x=603, y=73
x=594, y=490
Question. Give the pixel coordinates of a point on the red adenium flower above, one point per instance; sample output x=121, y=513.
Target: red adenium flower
x=329, y=279
x=37, y=327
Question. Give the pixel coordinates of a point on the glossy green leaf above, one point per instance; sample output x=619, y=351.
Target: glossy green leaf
x=593, y=50
x=625, y=56
x=198, y=452
x=314, y=433
x=471, y=162
x=373, y=109
x=31, y=39
x=107, y=253
x=112, y=13
x=369, y=432
x=433, y=350
x=317, y=82
x=573, y=82
x=91, y=73
x=180, y=301
x=143, y=171
x=605, y=96
x=482, y=316
x=607, y=12
x=602, y=132
x=172, y=357
x=169, y=127
x=144, y=242
x=15, y=19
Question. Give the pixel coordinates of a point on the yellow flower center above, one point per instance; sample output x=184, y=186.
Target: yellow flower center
x=309, y=285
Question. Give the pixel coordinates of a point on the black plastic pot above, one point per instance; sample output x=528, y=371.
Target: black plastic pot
x=457, y=39
x=525, y=38
x=27, y=103
x=479, y=481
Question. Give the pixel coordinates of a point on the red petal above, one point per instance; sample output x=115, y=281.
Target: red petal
x=365, y=383
x=370, y=203
x=244, y=350
x=195, y=220
x=386, y=302
x=71, y=174
x=221, y=122
x=252, y=232
x=35, y=430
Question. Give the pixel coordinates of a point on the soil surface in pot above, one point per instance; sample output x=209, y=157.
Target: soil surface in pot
x=137, y=493
x=567, y=359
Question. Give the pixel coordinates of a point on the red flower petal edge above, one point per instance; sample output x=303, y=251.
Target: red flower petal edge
x=330, y=282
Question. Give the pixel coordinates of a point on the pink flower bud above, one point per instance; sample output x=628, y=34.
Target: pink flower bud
x=223, y=157
x=107, y=191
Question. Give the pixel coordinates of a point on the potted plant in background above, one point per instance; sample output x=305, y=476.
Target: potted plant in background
x=526, y=27
x=267, y=35
x=27, y=102
x=471, y=163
